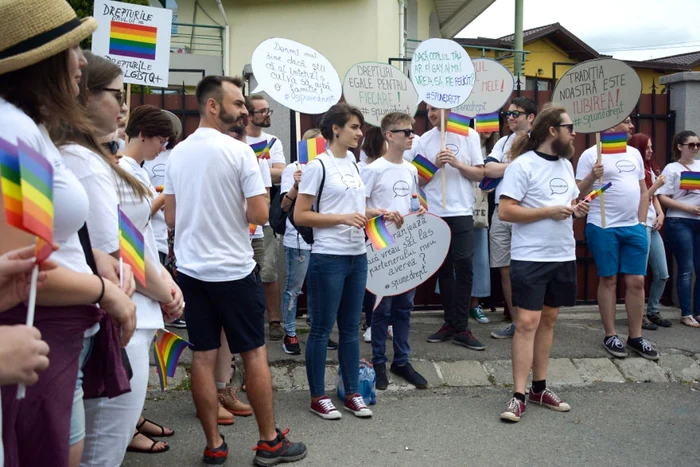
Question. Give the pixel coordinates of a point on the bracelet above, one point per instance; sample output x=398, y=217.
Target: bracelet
x=102, y=294
x=290, y=199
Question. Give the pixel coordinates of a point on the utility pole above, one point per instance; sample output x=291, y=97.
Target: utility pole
x=518, y=39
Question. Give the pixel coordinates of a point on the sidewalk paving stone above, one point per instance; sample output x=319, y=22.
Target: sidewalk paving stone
x=464, y=373
x=641, y=370
x=681, y=367
x=595, y=370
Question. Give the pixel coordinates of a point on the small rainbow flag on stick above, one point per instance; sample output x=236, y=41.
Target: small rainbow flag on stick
x=308, y=149
x=426, y=169
x=458, y=124
x=595, y=193
x=132, y=40
x=422, y=198
x=378, y=233
x=487, y=123
x=167, y=348
x=690, y=180
x=613, y=143
x=131, y=247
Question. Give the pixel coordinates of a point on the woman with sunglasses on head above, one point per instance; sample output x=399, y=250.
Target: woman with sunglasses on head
x=681, y=198
x=40, y=72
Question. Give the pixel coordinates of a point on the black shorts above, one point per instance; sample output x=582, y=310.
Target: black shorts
x=236, y=306
x=536, y=284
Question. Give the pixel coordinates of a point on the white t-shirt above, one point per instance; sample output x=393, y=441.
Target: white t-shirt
x=622, y=198
x=291, y=239
x=389, y=185
x=211, y=174
x=672, y=188
x=276, y=151
x=460, y=191
x=536, y=180
x=70, y=202
x=343, y=193
x=267, y=181
x=500, y=153
x=138, y=210
x=651, y=212
x=156, y=172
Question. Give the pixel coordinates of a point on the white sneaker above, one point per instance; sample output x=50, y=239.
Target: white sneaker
x=390, y=332
x=367, y=336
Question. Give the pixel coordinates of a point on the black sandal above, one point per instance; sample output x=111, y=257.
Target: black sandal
x=151, y=450
x=162, y=434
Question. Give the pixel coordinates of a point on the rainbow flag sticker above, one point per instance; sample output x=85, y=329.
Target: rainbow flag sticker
x=262, y=148
x=167, y=349
x=131, y=247
x=487, y=123
x=426, y=169
x=422, y=198
x=458, y=124
x=595, y=193
x=132, y=40
x=378, y=233
x=613, y=143
x=308, y=149
x=690, y=180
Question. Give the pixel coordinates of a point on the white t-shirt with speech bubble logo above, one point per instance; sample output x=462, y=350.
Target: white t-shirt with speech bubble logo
x=538, y=180
x=156, y=172
x=343, y=193
x=625, y=171
x=460, y=191
x=672, y=188
x=389, y=185
x=500, y=154
x=292, y=239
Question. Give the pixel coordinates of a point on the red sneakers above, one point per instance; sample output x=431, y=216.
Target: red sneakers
x=325, y=409
x=550, y=400
x=514, y=411
x=357, y=406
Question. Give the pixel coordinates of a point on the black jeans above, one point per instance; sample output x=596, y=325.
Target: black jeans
x=455, y=275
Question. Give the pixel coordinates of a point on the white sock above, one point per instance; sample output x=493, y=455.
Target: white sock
x=220, y=385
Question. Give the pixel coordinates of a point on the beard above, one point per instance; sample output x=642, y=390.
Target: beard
x=265, y=123
x=229, y=121
x=562, y=149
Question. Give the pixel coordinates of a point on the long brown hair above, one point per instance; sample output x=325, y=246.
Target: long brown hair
x=640, y=141
x=97, y=74
x=549, y=116
x=679, y=140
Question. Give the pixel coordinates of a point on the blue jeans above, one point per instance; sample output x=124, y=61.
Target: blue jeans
x=684, y=239
x=336, y=287
x=481, y=283
x=396, y=311
x=659, y=270
x=297, y=262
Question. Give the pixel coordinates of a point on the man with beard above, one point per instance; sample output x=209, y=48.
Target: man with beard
x=539, y=197
x=206, y=179
x=259, y=113
x=619, y=247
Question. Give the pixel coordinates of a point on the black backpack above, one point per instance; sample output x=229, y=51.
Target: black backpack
x=278, y=218
x=307, y=233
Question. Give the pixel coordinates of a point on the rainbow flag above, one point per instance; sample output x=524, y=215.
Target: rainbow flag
x=262, y=148
x=487, y=123
x=598, y=191
x=378, y=234
x=27, y=187
x=308, y=149
x=131, y=247
x=422, y=198
x=132, y=40
x=252, y=228
x=426, y=169
x=613, y=143
x=458, y=124
x=167, y=348
x=690, y=180
x=160, y=188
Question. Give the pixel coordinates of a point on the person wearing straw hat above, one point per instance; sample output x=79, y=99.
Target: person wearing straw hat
x=40, y=63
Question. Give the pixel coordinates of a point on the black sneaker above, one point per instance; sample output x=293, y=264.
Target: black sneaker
x=444, y=334
x=178, y=323
x=648, y=325
x=643, y=348
x=409, y=374
x=290, y=345
x=332, y=345
x=382, y=380
x=614, y=346
x=216, y=456
x=278, y=450
x=467, y=339
x=658, y=320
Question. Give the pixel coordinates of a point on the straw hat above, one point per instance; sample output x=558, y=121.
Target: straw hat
x=34, y=31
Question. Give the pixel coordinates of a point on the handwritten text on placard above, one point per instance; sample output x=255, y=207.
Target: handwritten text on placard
x=493, y=87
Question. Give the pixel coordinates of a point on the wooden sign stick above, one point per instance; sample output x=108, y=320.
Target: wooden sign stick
x=128, y=108
x=444, y=169
x=600, y=180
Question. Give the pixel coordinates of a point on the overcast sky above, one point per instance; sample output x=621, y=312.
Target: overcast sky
x=625, y=29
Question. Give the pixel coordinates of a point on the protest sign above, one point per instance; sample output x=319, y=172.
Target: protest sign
x=442, y=73
x=492, y=88
x=421, y=245
x=598, y=94
x=295, y=75
x=137, y=38
x=378, y=89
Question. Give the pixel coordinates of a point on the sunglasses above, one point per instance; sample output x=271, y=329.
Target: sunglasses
x=513, y=113
x=118, y=94
x=407, y=132
x=569, y=126
x=692, y=146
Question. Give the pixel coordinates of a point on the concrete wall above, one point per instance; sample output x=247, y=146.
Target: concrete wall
x=685, y=99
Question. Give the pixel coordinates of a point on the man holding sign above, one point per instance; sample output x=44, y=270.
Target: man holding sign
x=463, y=163
x=616, y=233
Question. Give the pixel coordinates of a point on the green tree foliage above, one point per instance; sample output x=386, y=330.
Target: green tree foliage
x=85, y=8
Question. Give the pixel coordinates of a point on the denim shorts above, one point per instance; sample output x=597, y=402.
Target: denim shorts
x=618, y=250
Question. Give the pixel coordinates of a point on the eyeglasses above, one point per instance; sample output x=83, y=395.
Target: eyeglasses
x=569, y=126
x=263, y=111
x=164, y=144
x=407, y=131
x=692, y=146
x=118, y=94
x=513, y=113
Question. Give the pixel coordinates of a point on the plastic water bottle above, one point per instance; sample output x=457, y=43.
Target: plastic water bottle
x=415, y=204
